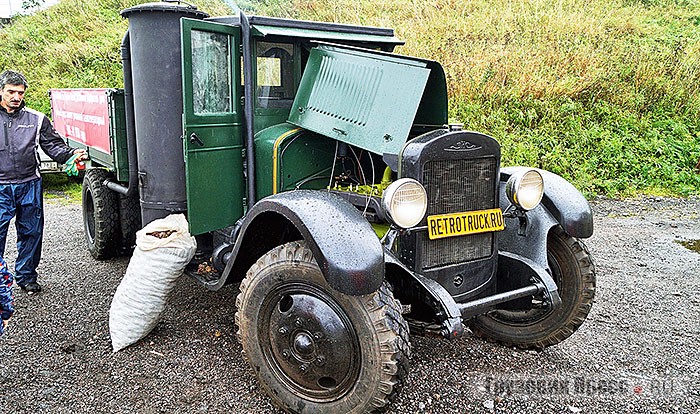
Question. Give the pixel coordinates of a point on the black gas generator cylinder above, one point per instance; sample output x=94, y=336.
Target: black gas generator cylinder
x=154, y=35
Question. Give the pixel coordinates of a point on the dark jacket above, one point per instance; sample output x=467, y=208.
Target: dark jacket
x=6, y=297
x=21, y=134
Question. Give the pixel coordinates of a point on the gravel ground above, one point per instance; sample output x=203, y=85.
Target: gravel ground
x=636, y=353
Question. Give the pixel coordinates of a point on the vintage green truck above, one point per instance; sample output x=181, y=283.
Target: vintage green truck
x=319, y=171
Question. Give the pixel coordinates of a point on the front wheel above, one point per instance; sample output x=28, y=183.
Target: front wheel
x=539, y=327
x=313, y=348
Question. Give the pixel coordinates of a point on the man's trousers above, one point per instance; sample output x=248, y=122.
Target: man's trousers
x=24, y=202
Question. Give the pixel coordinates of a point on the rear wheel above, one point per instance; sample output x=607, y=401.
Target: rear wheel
x=313, y=348
x=129, y=221
x=539, y=327
x=100, y=215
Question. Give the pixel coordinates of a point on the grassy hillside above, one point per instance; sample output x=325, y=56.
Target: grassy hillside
x=605, y=93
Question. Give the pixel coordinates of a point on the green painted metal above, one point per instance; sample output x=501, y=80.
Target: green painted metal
x=433, y=106
x=266, y=142
x=117, y=133
x=305, y=162
x=288, y=158
x=213, y=130
x=364, y=98
x=326, y=35
x=97, y=157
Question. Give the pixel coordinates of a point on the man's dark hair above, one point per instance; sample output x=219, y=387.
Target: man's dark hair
x=10, y=77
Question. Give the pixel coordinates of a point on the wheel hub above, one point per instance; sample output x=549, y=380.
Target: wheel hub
x=304, y=344
x=312, y=344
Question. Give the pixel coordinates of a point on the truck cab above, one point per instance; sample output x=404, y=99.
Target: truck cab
x=319, y=172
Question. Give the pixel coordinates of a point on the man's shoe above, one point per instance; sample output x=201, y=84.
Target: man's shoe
x=32, y=287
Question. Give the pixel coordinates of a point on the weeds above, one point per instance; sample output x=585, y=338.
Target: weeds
x=604, y=92
x=73, y=44
x=58, y=186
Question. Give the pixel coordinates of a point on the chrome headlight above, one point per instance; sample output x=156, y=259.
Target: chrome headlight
x=405, y=202
x=525, y=189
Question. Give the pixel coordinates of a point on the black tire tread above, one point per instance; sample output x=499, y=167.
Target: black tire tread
x=576, y=317
x=129, y=222
x=105, y=243
x=385, y=313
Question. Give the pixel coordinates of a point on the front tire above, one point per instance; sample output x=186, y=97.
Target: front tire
x=100, y=215
x=572, y=270
x=313, y=348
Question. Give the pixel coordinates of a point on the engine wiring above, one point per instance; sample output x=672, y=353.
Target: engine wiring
x=364, y=178
x=351, y=178
x=335, y=157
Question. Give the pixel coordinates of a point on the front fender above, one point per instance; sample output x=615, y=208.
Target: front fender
x=563, y=201
x=562, y=204
x=344, y=244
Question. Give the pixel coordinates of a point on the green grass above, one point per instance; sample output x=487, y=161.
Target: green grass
x=58, y=186
x=73, y=44
x=604, y=92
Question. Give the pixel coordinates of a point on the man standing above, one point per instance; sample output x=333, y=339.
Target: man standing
x=23, y=131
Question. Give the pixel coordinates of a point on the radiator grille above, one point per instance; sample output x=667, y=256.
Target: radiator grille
x=456, y=186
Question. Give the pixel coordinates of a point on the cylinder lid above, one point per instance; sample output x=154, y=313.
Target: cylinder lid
x=185, y=9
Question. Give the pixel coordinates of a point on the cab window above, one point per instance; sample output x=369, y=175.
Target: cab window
x=211, y=66
x=275, y=75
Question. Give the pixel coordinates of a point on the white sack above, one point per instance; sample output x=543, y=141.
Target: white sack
x=154, y=267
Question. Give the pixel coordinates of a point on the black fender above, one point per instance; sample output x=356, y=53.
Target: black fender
x=347, y=250
x=563, y=201
x=562, y=204
x=430, y=301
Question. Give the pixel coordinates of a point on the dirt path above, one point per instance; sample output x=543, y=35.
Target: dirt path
x=636, y=353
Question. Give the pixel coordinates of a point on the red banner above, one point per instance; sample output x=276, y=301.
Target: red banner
x=82, y=115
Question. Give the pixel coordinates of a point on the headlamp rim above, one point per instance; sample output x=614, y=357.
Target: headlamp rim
x=513, y=187
x=389, y=193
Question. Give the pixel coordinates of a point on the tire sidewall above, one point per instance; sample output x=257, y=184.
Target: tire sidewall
x=267, y=280
x=560, y=323
x=88, y=202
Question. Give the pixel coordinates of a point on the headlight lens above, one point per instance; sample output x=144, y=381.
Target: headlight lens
x=405, y=202
x=525, y=189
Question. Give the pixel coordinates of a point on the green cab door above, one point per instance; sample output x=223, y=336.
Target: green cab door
x=213, y=124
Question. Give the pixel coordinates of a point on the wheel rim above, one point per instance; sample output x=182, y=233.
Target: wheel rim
x=309, y=342
x=541, y=309
x=89, y=211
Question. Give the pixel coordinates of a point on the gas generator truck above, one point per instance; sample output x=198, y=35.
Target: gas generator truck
x=318, y=170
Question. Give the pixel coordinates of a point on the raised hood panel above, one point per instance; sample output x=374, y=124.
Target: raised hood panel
x=364, y=98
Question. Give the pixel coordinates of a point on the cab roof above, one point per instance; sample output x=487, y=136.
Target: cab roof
x=262, y=26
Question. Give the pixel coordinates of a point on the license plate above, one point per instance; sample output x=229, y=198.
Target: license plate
x=48, y=165
x=460, y=224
